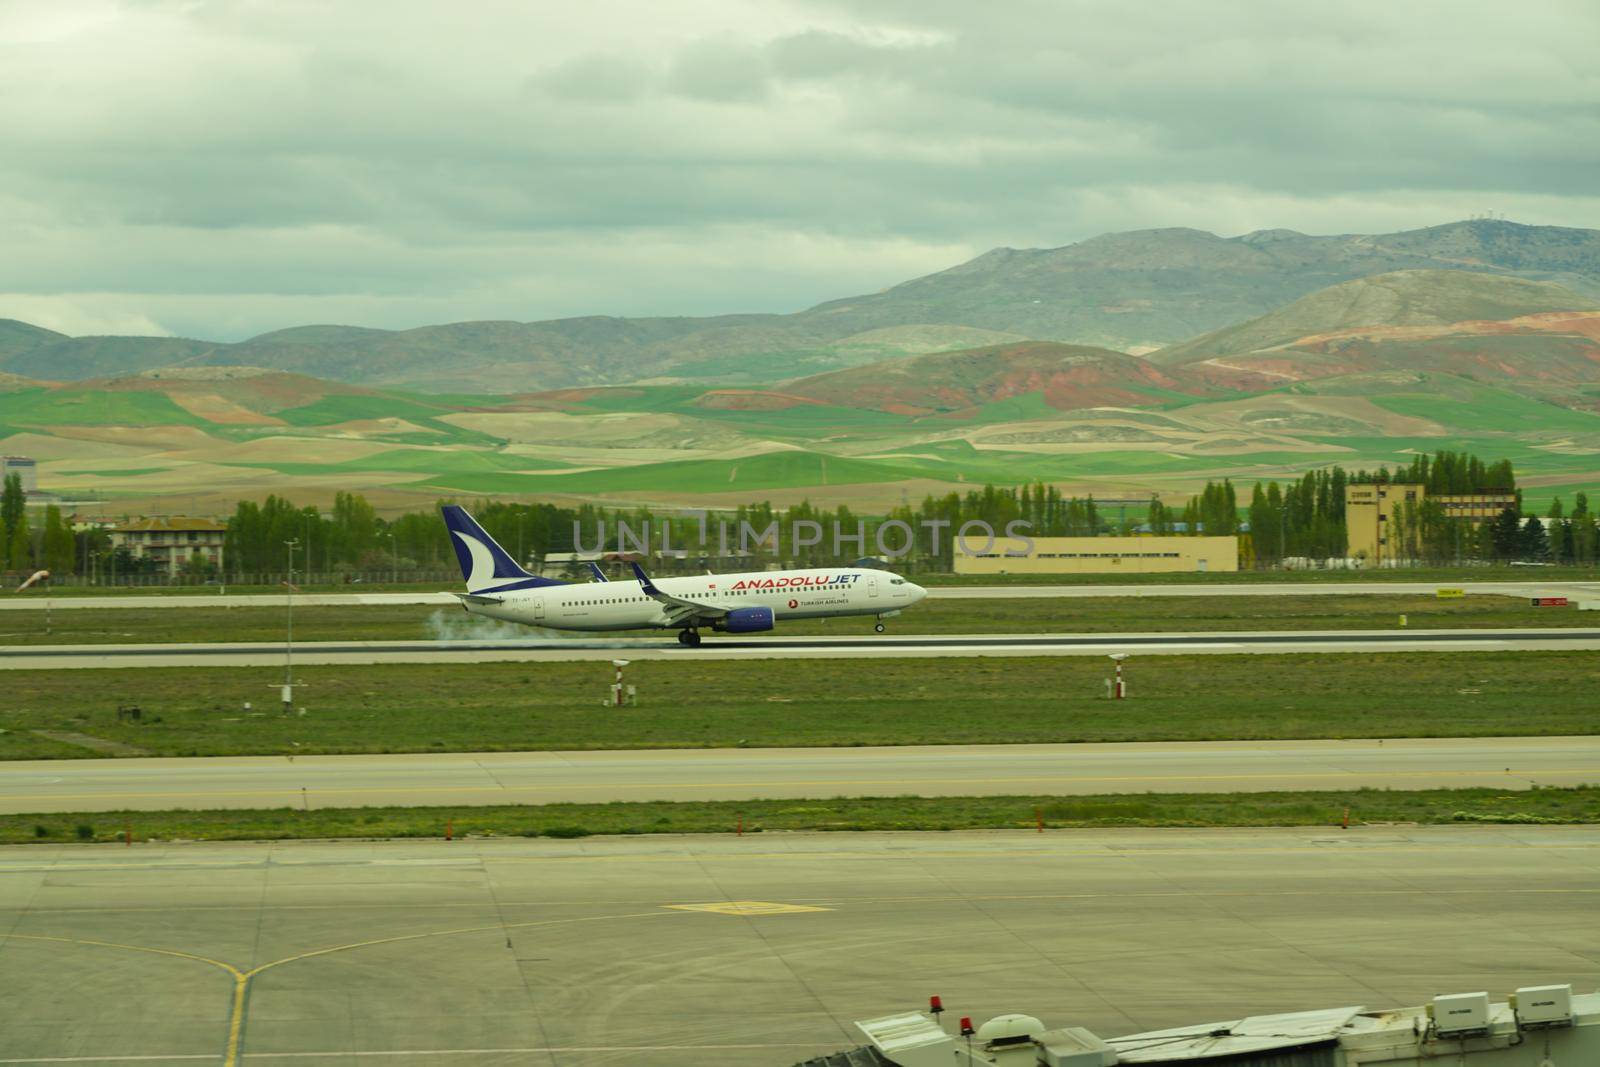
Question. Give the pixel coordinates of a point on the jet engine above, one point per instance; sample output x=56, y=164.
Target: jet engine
x=745, y=621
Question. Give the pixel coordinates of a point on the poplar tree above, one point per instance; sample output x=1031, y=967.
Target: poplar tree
x=59, y=547
x=13, y=506
x=19, y=553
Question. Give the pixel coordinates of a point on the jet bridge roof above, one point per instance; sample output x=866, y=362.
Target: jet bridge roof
x=1258, y=1033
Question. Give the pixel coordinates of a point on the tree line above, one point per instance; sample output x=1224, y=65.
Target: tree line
x=1305, y=517
x=53, y=548
x=1301, y=517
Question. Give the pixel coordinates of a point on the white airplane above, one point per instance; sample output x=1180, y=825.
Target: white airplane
x=753, y=602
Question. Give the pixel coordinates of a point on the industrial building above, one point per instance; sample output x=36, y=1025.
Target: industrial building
x=1097, y=555
x=171, y=540
x=1539, y=1025
x=1369, y=512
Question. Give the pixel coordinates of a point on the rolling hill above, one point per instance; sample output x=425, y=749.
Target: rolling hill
x=956, y=383
x=1134, y=291
x=1427, y=298
x=17, y=338
x=1538, y=337
x=1090, y=420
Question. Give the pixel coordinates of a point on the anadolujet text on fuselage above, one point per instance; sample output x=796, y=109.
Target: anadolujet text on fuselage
x=499, y=588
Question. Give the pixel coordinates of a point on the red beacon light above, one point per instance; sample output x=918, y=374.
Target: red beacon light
x=935, y=1005
x=966, y=1026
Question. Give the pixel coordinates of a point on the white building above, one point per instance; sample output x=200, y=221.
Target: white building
x=24, y=466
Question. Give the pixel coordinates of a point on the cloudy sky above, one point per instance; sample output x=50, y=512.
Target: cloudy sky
x=218, y=168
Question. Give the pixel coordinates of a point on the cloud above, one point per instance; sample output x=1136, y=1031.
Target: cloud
x=83, y=314
x=223, y=168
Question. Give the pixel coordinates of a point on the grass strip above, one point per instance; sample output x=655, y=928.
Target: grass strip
x=712, y=703
x=1078, y=615
x=1551, y=805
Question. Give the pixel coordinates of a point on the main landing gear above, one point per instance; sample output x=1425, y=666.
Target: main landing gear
x=689, y=637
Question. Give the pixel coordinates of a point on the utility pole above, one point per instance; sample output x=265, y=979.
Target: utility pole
x=288, y=639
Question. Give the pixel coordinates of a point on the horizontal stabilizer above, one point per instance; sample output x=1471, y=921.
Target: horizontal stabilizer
x=475, y=598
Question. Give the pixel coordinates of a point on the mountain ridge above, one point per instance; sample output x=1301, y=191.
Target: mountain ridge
x=1131, y=290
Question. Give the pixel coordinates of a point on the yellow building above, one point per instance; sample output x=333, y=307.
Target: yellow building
x=1098, y=555
x=1369, y=512
x=173, y=541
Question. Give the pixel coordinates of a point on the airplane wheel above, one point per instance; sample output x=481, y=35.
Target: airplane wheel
x=879, y=627
x=683, y=637
x=690, y=638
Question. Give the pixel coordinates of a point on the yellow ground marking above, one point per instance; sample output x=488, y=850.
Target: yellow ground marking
x=746, y=907
x=243, y=978
x=509, y=790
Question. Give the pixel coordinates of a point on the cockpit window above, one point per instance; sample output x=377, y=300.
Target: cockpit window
x=897, y=581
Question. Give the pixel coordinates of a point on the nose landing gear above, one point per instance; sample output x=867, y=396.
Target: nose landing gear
x=878, y=627
x=690, y=638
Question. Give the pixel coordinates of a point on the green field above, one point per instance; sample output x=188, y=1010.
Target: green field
x=769, y=470
x=92, y=407
x=1431, y=806
x=126, y=472
x=709, y=703
x=342, y=407
x=1097, y=615
x=423, y=461
x=1502, y=412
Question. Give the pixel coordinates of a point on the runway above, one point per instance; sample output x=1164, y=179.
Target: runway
x=743, y=774
x=758, y=951
x=36, y=601
x=591, y=647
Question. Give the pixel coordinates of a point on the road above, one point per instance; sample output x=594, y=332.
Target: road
x=1533, y=587
x=230, y=654
x=743, y=774
x=723, y=951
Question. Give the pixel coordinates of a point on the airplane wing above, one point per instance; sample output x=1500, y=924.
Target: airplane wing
x=594, y=569
x=678, y=608
x=478, y=598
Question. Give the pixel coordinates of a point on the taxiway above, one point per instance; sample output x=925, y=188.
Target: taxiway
x=37, y=600
x=761, y=950
x=660, y=646
x=152, y=784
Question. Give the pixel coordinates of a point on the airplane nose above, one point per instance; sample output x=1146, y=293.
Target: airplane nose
x=917, y=592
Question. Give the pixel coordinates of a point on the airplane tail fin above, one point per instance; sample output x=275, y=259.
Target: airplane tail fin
x=484, y=564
